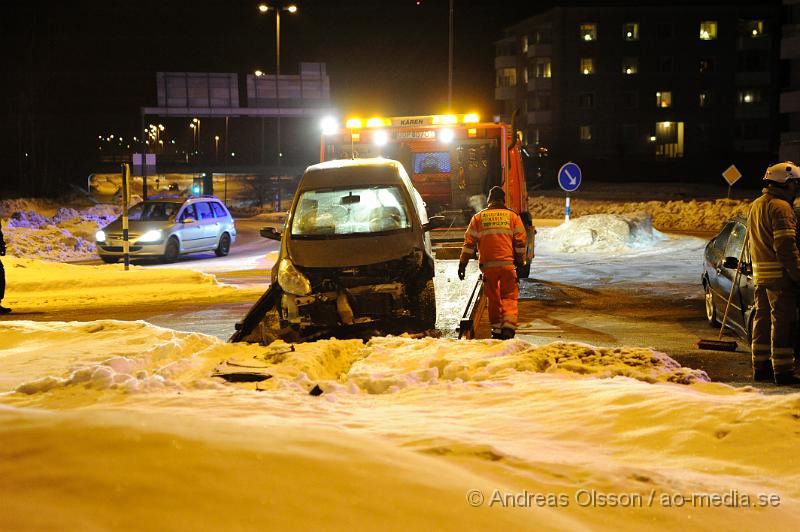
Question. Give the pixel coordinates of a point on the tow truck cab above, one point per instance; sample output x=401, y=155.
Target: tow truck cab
x=452, y=160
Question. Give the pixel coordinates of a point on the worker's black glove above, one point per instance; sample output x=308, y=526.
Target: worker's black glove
x=462, y=270
x=2, y=249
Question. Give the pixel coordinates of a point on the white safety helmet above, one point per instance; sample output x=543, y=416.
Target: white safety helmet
x=782, y=172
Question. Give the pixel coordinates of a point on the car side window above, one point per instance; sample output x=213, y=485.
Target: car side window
x=735, y=241
x=721, y=240
x=219, y=210
x=188, y=212
x=203, y=210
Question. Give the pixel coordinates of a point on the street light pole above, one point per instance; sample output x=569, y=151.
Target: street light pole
x=264, y=8
x=450, y=64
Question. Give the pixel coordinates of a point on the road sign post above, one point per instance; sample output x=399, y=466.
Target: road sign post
x=731, y=175
x=569, y=179
x=126, y=196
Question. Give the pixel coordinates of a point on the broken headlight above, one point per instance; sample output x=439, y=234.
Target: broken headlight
x=291, y=280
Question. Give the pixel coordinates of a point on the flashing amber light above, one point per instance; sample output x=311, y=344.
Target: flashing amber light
x=471, y=118
x=472, y=132
x=353, y=123
x=445, y=119
x=376, y=122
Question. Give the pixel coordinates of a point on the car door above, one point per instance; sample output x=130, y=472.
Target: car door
x=190, y=231
x=733, y=248
x=715, y=255
x=208, y=224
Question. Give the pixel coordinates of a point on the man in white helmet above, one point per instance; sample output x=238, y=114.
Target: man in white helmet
x=773, y=249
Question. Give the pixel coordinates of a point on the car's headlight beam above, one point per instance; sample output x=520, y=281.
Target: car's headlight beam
x=150, y=236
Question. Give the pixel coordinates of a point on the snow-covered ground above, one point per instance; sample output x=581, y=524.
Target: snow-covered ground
x=121, y=425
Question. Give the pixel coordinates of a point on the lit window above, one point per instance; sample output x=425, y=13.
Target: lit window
x=664, y=99
x=751, y=28
x=708, y=30
x=542, y=67
x=507, y=77
x=525, y=44
x=704, y=99
x=630, y=65
x=525, y=76
x=587, y=66
x=749, y=97
x=668, y=139
x=589, y=32
x=630, y=31
x=706, y=64
x=586, y=133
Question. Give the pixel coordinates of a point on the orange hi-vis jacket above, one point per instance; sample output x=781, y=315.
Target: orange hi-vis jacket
x=498, y=235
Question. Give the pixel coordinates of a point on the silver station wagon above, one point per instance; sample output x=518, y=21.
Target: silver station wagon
x=166, y=227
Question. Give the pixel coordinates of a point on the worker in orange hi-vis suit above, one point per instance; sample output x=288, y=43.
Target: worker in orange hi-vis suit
x=499, y=237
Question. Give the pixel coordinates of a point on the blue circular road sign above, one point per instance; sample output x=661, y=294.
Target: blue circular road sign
x=569, y=177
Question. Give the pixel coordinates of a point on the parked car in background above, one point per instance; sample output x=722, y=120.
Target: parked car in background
x=355, y=250
x=721, y=262
x=167, y=226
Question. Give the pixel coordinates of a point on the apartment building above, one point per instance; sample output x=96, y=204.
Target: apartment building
x=645, y=92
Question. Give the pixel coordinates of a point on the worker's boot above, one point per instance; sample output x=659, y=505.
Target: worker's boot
x=507, y=333
x=786, y=379
x=497, y=335
x=4, y=310
x=763, y=372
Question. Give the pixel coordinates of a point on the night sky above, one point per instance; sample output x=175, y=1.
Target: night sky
x=74, y=70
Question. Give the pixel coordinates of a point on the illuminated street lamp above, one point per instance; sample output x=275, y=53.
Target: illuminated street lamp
x=216, y=148
x=291, y=9
x=196, y=127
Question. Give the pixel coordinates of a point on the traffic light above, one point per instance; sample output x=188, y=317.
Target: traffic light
x=197, y=186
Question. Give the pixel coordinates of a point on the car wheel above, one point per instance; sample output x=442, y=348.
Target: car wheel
x=109, y=260
x=424, y=306
x=171, y=251
x=711, y=310
x=224, y=246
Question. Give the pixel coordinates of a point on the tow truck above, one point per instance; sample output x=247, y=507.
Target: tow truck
x=452, y=160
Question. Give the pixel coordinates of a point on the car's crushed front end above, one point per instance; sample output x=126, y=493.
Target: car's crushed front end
x=384, y=295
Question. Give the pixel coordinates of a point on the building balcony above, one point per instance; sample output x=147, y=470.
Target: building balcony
x=505, y=93
x=749, y=43
x=505, y=61
x=790, y=102
x=751, y=111
x=540, y=50
x=751, y=145
x=543, y=118
x=790, y=47
x=753, y=79
x=540, y=84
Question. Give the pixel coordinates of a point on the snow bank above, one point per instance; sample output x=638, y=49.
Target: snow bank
x=601, y=233
x=43, y=230
x=419, y=433
x=691, y=215
x=35, y=285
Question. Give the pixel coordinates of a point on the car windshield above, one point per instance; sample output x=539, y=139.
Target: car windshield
x=349, y=211
x=153, y=211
